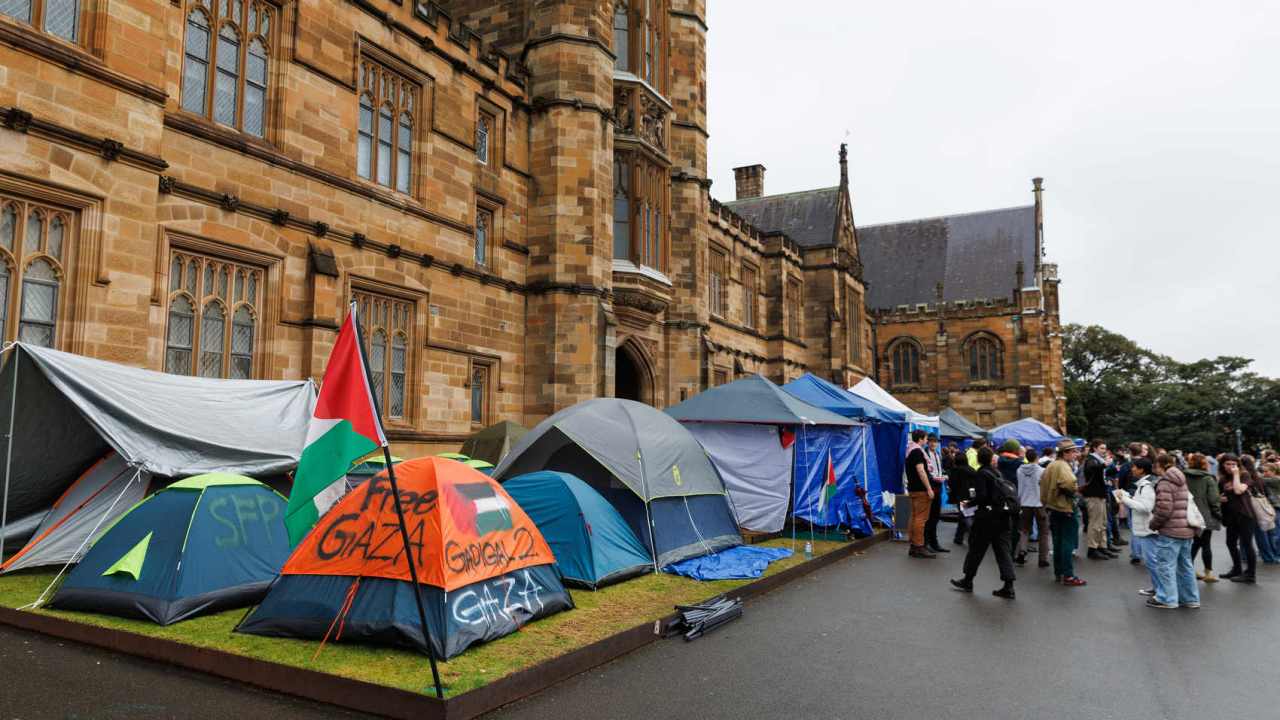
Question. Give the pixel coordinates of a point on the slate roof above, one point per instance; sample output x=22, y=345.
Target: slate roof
x=809, y=217
x=974, y=255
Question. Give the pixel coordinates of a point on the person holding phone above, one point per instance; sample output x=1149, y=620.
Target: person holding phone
x=1236, y=487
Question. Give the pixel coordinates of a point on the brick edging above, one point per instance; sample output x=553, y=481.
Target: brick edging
x=380, y=699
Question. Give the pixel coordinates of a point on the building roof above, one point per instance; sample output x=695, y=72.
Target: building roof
x=809, y=217
x=974, y=256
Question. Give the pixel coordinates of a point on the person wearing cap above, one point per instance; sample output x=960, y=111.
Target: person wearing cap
x=1095, y=500
x=1058, y=490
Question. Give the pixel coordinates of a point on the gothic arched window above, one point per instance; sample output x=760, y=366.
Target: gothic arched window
x=226, y=79
x=904, y=361
x=212, y=319
x=986, y=359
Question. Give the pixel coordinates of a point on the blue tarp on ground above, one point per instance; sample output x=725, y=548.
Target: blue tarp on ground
x=592, y=543
x=853, y=458
x=1027, y=431
x=888, y=434
x=737, y=563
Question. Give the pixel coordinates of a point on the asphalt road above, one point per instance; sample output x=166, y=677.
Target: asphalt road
x=875, y=636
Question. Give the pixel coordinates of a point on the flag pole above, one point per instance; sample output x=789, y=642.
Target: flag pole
x=8, y=454
x=395, y=495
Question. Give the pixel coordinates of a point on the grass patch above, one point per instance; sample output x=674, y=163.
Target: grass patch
x=598, y=615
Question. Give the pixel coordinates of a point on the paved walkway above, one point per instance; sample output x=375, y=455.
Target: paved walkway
x=878, y=636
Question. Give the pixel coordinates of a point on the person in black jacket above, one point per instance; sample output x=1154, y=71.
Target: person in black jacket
x=959, y=480
x=995, y=500
x=1094, y=493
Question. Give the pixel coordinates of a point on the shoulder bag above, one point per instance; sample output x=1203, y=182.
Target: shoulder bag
x=1194, y=517
x=1264, y=512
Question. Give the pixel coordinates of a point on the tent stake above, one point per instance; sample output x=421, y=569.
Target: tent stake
x=404, y=530
x=8, y=453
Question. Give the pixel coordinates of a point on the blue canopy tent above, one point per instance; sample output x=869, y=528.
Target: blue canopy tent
x=1027, y=431
x=740, y=426
x=888, y=436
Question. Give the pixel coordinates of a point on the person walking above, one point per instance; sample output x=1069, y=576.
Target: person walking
x=961, y=479
x=1058, y=491
x=1174, y=574
x=1204, y=489
x=1032, y=510
x=1140, y=503
x=933, y=458
x=1235, y=487
x=995, y=500
x=1094, y=492
x=920, y=489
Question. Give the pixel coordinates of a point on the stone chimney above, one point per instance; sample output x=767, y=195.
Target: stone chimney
x=1037, y=188
x=750, y=181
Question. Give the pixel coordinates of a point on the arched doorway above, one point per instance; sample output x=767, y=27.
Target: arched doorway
x=632, y=379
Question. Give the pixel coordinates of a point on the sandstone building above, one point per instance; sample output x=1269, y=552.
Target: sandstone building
x=515, y=192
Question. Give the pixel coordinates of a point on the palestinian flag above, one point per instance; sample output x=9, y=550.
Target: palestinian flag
x=477, y=509
x=344, y=428
x=828, y=492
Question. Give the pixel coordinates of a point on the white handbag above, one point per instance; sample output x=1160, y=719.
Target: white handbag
x=1194, y=518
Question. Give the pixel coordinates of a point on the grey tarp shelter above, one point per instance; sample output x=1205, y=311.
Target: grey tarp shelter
x=958, y=427
x=738, y=425
x=645, y=464
x=68, y=411
x=491, y=444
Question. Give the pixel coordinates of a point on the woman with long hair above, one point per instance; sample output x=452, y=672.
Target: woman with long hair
x=1267, y=551
x=1204, y=488
x=1236, y=487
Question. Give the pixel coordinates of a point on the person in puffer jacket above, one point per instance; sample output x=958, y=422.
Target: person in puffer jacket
x=1174, y=575
x=1140, y=504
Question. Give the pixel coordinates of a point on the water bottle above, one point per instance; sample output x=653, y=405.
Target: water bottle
x=808, y=550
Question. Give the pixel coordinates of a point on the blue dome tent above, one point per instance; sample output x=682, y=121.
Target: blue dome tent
x=592, y=543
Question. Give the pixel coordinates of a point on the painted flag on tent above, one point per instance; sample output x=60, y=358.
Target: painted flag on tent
x=479, y=510
x=828, y=486
x=344, y=428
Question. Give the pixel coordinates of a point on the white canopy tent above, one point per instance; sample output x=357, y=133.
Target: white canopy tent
x=867, y=389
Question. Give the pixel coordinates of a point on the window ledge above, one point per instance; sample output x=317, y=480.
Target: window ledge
x=627, y=76
x=626, y=266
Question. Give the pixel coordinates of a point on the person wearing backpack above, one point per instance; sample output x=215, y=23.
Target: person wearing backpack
x=996, y=501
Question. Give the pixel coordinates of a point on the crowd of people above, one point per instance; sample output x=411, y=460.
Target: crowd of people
x=1013, y=499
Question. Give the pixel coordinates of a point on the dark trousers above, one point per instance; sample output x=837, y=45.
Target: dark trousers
x=935, y=515
x=992, y=529
x=1240, y=544
x=1066, y=537
x=1040, y=517
x=962, y=528
x=1204, y=542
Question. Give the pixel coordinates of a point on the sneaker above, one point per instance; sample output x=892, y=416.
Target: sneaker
x=962, y=586
x=1154, y=603
x=938, y=549
x=1073, y=582
x=1095, y=554
x=1147, y=592
x=1006, y=593
x=1231, y=574
x=1209, y=577
x=1199, y=575
x=1190, y=605
x=920, y=553
x=1020, y=560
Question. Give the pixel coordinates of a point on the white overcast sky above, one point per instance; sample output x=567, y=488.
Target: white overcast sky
x=1156, y=126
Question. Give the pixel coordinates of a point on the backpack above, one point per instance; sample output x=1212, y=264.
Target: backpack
x=1005, y=495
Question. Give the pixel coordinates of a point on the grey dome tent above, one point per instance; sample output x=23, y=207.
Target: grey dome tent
x=648, y=466
x=74, y=417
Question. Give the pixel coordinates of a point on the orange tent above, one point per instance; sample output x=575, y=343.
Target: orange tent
x=484, y=566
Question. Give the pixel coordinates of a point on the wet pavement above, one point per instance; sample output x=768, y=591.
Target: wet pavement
x=876, y=636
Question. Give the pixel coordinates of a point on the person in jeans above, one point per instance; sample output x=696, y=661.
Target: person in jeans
x=1032, y=510
x=1058, y=490
x=1095, y=498
x=1174, y=574
x=1236, y=487
x=1267, y=551
x=1204, y=488
x=995, y=499
x=1140, y=504
x=933, y=456
x=920, y=489
x=1270, y=482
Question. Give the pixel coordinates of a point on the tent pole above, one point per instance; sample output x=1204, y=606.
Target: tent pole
x=8, y=453
x=404, y=529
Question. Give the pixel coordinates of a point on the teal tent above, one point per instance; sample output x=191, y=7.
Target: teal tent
x=202, y=544
x=592, y=543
